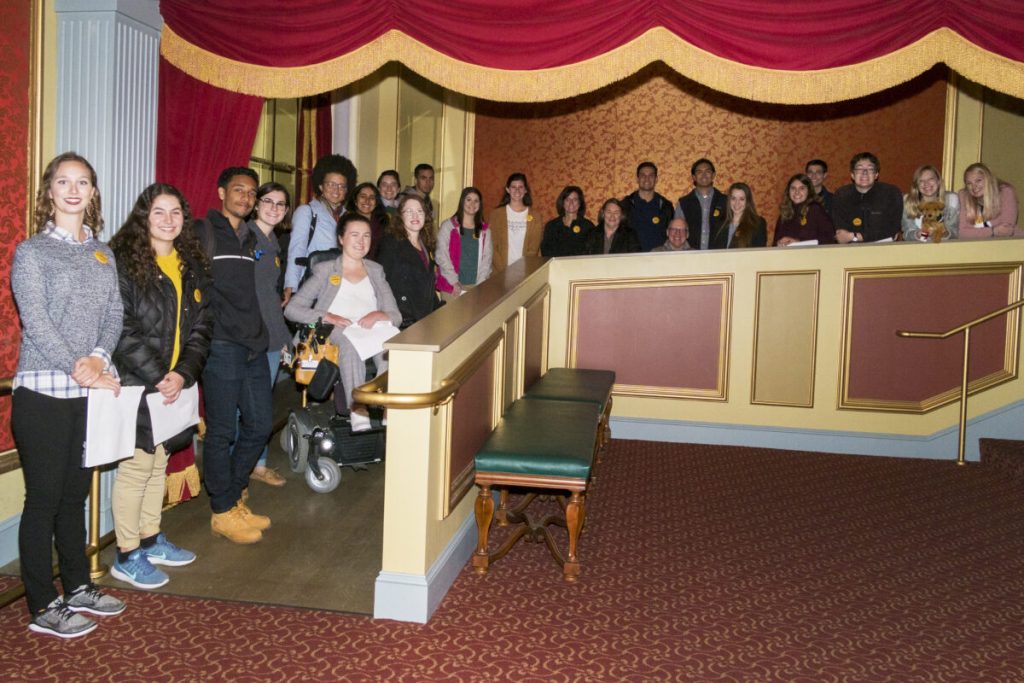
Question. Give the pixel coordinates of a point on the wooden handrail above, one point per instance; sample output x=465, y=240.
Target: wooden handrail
x=375, y=391
x=966, y=329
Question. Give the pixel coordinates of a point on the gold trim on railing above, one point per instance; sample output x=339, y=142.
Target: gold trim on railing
x=966, y=329
x=375, y=391
x=6, y=386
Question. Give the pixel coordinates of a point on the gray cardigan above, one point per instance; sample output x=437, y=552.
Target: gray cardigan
x=316, y=295
x=268, y=269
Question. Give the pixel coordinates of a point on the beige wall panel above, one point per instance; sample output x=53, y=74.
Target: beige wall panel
x=784, y=339
x=1001, y=138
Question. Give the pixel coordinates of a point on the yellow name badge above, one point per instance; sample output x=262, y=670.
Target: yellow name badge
x=803, y=221
x=101, y=257
x=277, y=261
x=529, y=217
x=857, y=222
x=576, y=229
x=336, y=280
x=197, y=295
x=656, y=220
x=717, y=213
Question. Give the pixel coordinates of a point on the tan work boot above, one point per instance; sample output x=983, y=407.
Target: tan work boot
x=232, y=526
x=259, y=522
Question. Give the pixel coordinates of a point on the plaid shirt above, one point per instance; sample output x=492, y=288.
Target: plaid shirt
x=54, y=382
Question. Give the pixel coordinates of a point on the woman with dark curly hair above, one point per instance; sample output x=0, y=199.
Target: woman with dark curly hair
x=612, y=234
x=407, y=254
x=65, y=284
x=166, y=337
x=802, y=215
x=567, y=234
x=366, y=201
x=315, y=225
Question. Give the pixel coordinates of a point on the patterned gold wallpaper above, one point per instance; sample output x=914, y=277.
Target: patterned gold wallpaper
x=596, y=140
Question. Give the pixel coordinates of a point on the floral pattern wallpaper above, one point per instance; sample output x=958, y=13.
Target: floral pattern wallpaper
x=596, y=140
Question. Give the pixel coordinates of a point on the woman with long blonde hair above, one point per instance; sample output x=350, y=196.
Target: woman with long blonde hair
x=926, y=186
x=988, y=205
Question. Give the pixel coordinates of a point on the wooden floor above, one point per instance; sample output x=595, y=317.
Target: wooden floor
x=323, y=550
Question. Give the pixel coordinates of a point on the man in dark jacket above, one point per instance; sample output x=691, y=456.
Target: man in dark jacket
x=866, y=210
x=704, y=208
x=647, y=211
x=236, y=379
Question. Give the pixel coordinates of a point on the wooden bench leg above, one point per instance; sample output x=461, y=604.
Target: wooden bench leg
x=503, y=507
x=575, y=512
x=484, y=510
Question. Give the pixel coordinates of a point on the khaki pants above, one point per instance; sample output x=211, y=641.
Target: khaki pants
x=138, y=497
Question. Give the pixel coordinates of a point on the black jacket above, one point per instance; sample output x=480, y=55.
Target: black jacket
x=655, y=234
x=720, y=239
x=412, y=283
x=689, y=205
x=143, y=354
x=562, y=241
x=624, y=241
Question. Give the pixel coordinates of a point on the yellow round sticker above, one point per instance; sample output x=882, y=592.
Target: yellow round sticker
x=101, y=257
x=717, y=213
x=576, y=229
x=197, y=295
x=803, y=221
x=656, y=220
x=335, y=280
x=277, y=261
x=857, y=221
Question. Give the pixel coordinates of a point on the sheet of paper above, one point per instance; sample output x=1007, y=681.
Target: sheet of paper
x=110, y=425
x=170, y=420
x=805, y=243
x=370, y=342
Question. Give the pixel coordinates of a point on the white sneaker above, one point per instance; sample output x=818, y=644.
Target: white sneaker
x=360, y=423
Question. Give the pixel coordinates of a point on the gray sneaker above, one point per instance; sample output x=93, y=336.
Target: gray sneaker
x=58, y=620
x=88, y=598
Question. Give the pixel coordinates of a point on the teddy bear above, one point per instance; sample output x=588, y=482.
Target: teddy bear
x=932, y=228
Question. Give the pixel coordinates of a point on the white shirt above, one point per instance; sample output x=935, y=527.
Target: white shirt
x=516, y=232
x=353, y=301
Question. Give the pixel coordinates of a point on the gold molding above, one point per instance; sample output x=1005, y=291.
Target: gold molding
x=510, y=360
x=35, y=111
x=455, y=490
x=760, y=84
x=1010, y=345
x=814, y=336
x=724, y=280
x=542, y=296
x=949, y=133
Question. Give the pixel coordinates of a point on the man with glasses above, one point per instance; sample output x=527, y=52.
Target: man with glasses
x=704, y=206
x=866, y=210
x=236, y=379
x=677, y=234
x=648, y=212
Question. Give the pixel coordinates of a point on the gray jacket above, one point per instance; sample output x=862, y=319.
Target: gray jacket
x=267, y=271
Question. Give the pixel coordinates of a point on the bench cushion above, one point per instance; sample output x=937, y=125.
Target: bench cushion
x=573, y=384
x=542, y=438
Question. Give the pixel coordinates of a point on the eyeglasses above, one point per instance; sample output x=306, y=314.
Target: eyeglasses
x=414, y=212
x=335, y=186
x=271, y=204
x=865, y=169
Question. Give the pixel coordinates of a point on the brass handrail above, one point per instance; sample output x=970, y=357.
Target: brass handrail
x=375, y=391
x=966, y=329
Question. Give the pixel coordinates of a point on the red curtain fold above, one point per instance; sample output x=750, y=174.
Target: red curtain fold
x=536, y=34
x=201, y=130
x=314, y=137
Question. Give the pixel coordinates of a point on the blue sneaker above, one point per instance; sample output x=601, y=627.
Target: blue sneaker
x=166, y=553
x=137, y=571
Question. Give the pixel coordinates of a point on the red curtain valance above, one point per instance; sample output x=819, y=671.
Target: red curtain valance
x=788, y=51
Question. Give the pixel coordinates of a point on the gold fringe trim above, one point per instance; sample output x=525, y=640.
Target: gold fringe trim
x=658, y=44
x=178, y=481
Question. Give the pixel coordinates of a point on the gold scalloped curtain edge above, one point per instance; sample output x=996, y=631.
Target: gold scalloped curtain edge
x=659, y=44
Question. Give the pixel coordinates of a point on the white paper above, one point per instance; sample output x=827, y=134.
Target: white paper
x=171, y=420
x=370, y=342
x=110, y=425
x=804, y=243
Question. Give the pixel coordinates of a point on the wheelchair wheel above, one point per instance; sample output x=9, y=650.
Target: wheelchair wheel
x=331, y=473
x=294, y=441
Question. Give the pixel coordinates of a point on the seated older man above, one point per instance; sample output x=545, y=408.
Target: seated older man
x=677, y=233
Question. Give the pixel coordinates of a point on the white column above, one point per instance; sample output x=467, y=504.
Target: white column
x=107, y=58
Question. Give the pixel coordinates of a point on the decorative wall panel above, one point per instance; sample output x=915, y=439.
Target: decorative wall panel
x=785, y=339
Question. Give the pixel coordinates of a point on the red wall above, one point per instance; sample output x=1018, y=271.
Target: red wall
x=597, y=140
x=15, y=17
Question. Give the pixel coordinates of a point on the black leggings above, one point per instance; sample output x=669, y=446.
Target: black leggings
x=50, y=435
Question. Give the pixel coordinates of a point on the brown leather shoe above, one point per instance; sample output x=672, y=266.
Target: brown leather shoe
x=258, y=522
x=268, y=476
x=232, y=526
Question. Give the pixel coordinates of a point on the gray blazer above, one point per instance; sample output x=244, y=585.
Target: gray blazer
x=317, y=293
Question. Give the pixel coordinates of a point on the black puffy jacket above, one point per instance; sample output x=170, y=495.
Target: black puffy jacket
x=412, y=281
x=143, y=354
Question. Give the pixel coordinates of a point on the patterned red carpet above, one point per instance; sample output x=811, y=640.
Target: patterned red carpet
x=701, y=563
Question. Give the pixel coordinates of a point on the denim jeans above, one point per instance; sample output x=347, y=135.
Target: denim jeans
x=236, y=386
x=274, y=364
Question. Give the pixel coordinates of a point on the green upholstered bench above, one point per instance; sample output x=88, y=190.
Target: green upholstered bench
x=578, y=384
x=546, y=445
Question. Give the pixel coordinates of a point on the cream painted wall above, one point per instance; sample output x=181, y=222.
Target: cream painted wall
x=987, y=126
